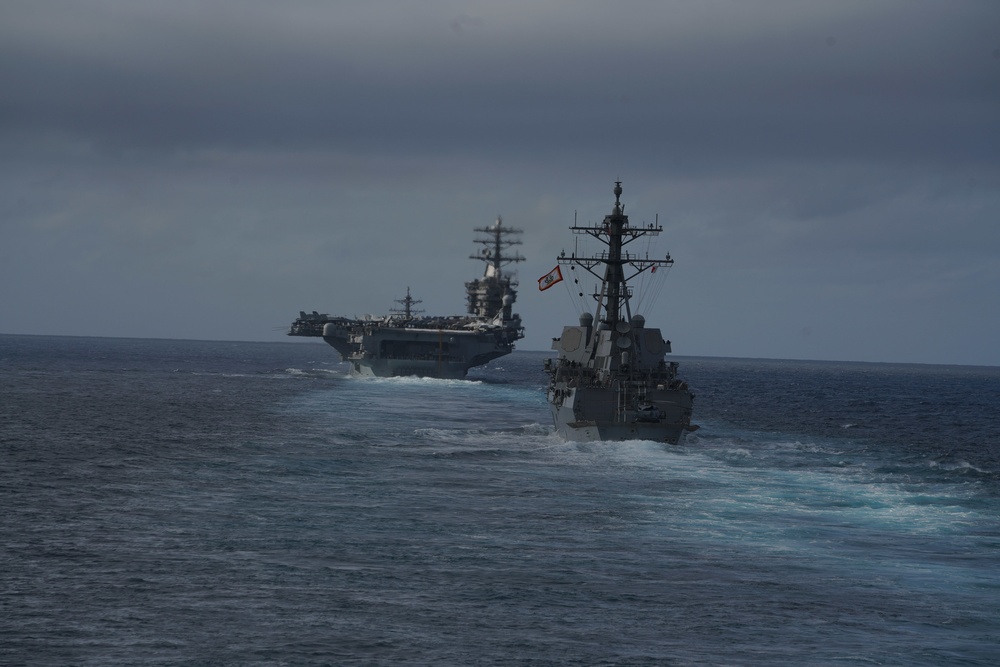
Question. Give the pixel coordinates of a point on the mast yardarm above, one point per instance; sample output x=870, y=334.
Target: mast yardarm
x=495, y=244
x=407, y=311
x=494, y=293
x=619, y=266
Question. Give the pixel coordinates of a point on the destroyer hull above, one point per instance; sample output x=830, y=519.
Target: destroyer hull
x=610, y=379
x=590, y=431
x=585, y=415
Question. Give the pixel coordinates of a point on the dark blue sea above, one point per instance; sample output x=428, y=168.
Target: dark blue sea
x=212, y=503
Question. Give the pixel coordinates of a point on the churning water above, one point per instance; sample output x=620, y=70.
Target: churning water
x=183, y=502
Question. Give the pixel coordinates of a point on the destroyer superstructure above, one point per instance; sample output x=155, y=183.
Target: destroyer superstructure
x=406, y=343
x=610, y=380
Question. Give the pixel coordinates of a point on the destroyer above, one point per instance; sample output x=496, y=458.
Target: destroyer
x=403, y=343
x=610, y=381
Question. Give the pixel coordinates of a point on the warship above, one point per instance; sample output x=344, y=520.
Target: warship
x=405, y=342
x=610, y=379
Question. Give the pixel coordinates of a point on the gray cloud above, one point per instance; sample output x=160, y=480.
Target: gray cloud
x=219, y=166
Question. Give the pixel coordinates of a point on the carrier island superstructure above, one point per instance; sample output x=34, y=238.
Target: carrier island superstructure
x=610, y=380
x=405, y=342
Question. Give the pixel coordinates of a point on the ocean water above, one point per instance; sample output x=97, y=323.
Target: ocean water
x=210, y=503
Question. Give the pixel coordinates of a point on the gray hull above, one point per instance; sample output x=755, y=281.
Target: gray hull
x=400, y=352
x=589, y=414
x=407, y=367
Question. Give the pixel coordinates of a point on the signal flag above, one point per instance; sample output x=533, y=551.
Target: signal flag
x=550, y=279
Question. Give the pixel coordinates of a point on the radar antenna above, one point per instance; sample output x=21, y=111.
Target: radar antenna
x=495, y=292
x=407, y=310
x=615, y=232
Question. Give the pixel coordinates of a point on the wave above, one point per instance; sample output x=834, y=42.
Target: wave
x=413, y=380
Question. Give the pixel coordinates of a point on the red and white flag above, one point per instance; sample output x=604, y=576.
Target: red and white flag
x=550, y=279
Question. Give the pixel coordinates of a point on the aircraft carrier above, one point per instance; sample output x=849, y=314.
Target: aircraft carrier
x=405, y=342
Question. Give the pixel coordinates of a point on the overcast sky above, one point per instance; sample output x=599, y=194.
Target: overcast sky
x=827, y=173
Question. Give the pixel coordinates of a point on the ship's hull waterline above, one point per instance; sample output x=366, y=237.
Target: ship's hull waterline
x=671, y=423
x=393, y=352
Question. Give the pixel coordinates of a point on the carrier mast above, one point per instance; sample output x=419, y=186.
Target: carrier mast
x=494, y=293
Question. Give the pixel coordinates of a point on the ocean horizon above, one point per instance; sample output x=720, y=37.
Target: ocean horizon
x=677, y=357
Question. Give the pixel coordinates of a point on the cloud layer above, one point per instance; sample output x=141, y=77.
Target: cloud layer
x=828, y=175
